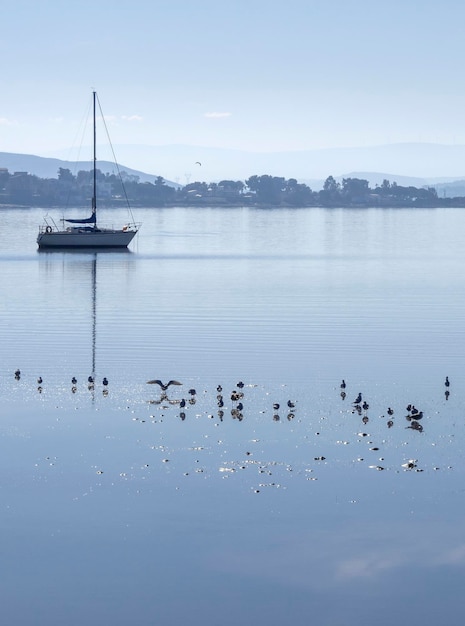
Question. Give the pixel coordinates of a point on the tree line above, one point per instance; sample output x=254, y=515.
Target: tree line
x=21, y=188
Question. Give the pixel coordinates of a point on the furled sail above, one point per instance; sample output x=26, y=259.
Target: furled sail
x=88, y=220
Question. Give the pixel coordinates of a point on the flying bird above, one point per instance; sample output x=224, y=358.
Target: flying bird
x=198, y=163
x=162, y=385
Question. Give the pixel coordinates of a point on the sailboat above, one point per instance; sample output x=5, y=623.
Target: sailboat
x=86, y=233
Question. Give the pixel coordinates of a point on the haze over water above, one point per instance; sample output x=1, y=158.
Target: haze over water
x=124, y=507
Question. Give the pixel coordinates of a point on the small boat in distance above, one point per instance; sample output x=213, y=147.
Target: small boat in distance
x=85, y=233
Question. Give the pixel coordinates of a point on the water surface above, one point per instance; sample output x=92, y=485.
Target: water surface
x=120, y=506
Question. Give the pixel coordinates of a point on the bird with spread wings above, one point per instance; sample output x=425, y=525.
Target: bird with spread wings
x=162, y=385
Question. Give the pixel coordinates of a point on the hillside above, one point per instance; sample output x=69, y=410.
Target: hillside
x=45, y=167
x=409, y=164
x=424, y=163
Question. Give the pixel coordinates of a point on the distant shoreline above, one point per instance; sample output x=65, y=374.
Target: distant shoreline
x=438, y=205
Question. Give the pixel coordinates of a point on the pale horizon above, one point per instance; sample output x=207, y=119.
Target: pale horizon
x=249, y=77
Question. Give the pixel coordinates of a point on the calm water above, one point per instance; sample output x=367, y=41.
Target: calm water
x=122, y=507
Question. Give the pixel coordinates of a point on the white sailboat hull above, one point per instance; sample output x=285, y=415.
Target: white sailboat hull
x=80, y=238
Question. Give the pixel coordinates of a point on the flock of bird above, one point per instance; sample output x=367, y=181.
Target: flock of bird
x=236, y=398
x=90, y=383
x=234, y=402
x=359, y=404
x=413, y=416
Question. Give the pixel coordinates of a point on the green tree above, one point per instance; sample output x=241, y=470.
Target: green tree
x=299, y=194
x=331, y=185
x=4, y=176
x=231, y=186
x=355, y=190
x=267, y=189
x=331, y=192
x=162, y=192
x=65, y=175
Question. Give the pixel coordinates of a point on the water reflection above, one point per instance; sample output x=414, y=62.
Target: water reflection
x=75, y=284
x=256, y=489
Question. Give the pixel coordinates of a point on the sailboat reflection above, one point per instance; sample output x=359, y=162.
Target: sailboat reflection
x=81, y=265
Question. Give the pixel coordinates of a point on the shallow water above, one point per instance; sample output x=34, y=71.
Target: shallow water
x=120, y=506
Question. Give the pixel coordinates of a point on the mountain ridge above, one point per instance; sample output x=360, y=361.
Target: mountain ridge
x=47, y=167
x=180, y=162
x=408, y=164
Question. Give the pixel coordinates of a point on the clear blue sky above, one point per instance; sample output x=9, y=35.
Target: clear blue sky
x=253, y=75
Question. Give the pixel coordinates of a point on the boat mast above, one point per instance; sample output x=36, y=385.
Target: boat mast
x=94, y=196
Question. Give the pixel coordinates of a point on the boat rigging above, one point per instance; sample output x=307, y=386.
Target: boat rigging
x=86, y=232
